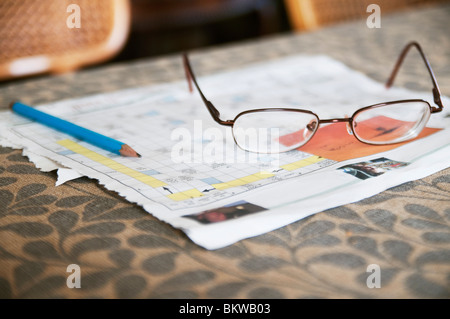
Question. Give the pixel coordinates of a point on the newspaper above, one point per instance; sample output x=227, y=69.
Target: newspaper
x=194, y=177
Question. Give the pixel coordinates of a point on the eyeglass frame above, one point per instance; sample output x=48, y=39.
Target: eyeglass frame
x=191, y=78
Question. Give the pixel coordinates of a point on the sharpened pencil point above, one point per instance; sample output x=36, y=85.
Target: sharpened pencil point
x=128, y=151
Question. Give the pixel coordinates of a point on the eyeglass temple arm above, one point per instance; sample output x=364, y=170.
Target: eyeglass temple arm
x=436, y=91
x=192, y=80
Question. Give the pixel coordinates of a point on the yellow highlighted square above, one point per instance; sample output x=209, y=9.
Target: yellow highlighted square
x=191, y=193
x=263, y=175
x=178, y=197
x=236, y=182
x=314, y=159
x=302, y=163
x=243, y=180
x=249, y=179
x=221, y=186
x=77, y=148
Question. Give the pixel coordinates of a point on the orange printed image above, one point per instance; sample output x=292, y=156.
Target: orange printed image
x=332, y=141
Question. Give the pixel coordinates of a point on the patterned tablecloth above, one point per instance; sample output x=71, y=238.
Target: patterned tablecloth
x=124, y=252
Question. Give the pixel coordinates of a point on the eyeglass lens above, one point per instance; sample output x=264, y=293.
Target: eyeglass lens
x=391, y=123
x=271, y=131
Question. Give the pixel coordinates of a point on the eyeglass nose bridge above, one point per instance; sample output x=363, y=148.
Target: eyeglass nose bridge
x=347, y=120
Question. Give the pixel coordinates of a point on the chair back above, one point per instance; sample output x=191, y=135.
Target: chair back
x=59, y=36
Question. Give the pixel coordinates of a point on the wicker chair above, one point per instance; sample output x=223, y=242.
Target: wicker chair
x=35, y=36
x=305, y=15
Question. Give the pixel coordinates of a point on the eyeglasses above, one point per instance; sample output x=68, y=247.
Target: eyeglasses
x=275, y=130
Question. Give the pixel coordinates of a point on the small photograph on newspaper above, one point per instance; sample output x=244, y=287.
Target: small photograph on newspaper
x=376, y=167
x=232, y=211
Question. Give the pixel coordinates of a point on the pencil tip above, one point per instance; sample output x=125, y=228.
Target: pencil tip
x=128, y=151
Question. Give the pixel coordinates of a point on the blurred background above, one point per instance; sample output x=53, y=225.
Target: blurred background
x=54, y=36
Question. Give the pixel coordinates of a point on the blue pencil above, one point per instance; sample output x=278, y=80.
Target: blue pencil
x=76, y=131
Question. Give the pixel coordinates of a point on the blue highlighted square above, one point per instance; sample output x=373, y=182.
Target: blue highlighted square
x=150, y=172
x=211, y=180
x=169, y=98
x=177, y=122
x=152, y=113
x=266, y=159
x=239, y=98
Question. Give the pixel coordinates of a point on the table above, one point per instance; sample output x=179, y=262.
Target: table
x=123, y=252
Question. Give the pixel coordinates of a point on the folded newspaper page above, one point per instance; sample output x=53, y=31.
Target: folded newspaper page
x=194, y=177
